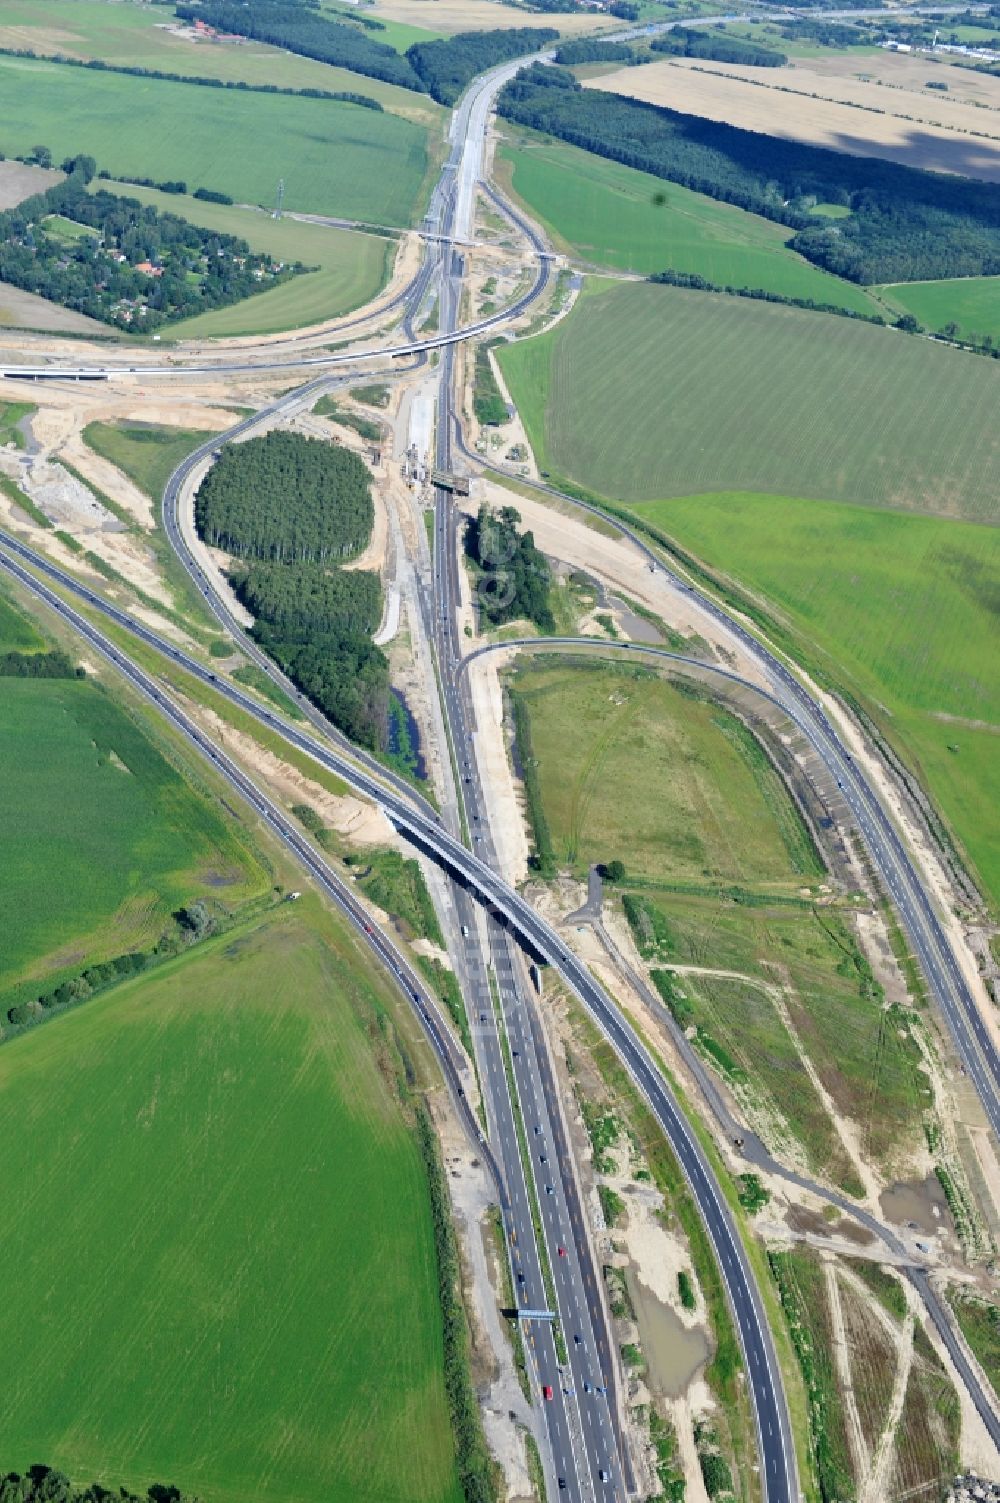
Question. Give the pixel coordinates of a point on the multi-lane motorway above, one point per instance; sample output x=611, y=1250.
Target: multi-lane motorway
x=585, y=1440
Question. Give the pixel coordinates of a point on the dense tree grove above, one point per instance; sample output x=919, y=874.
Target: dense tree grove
x=514, y=578
x=54, y=664
x=904, y=225
x=317, y=623
x=288, y=498
x=293, y=508
x=310, y=597
x=593, y=50
x=446, y=66
x=41, y=1484
x=684, y=41
x=140, y=268
x=299, y=26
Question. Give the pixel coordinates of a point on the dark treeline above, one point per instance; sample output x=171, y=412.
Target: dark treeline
x=190, y=924
x=41, y=1484
x=189, y=269
x=288, y=498
x=98, y=65
x=904, y=224
x=683, y=41
x=478, y=1473
x=166, y=185
x=294, y=508
x=593, y=50
x=699, y=283
x=514, y=578
x=54, y=664
x=302, y=28
x=447, y=66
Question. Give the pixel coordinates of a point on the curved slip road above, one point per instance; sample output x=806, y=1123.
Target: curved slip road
x=538, y=938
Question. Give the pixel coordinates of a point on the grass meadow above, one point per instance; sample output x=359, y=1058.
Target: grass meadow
x=334, y=158
x=102, y=837
x=901, y=609
x=16, y=632
x=138, y=36
x=973, y=303
x=607, y=214
x=148, y=453
x=649, y=391
x=218, y=1229
x=349, y=268
x=629, y=767
x=869, y=1067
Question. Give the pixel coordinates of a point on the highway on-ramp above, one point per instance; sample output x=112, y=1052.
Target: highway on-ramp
x=537, y=937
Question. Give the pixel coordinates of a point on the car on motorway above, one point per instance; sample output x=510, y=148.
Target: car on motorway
x=561, y=1251
x=547, y=1391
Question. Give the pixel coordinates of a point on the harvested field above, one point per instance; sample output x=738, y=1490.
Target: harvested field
x=904, y=75
x=719, y=91
x=24, y=310
x=448, y=16
x=19, y=181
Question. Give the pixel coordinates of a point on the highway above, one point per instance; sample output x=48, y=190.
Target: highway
x=582, y=1416
x=918, y=915
x=753, y=1150
x=585, y=1442
x=583, y=1436
x=535, y=936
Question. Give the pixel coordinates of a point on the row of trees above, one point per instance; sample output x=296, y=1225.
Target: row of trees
x=42, y=1484
x=194, y=268
x=904, y=224
x=514, y=578
x=684, y=41
x=288, y=498
x=54, y=664
x=201, y=81
x=445, y=67
x=302, y=28
x=441, y=68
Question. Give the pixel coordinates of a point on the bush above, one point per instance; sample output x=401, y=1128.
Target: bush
x=685, y=1289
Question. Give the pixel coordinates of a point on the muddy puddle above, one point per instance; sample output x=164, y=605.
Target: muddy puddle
x=920, y=1201
x=674, y=1354
x=635, y=628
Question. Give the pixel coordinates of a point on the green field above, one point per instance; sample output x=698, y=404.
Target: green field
x=607, y=214
x=902, y=610
x=135, y=36
x=334, y=158
x=102, y=837
x=973, y=303
x=609, y=742
x=217, y=1226
x=645, y=392
x=350, y=267
x=16, y=632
